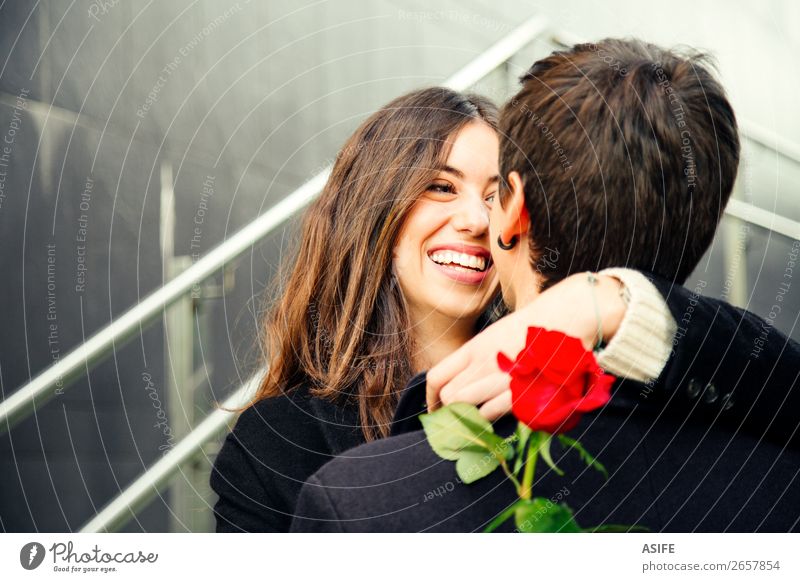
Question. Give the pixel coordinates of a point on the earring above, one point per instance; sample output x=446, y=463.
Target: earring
x=506, y=247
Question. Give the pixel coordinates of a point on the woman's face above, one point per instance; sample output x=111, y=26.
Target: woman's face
x=442, y=257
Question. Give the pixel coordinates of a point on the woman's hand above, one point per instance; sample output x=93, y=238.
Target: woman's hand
x=471, y=373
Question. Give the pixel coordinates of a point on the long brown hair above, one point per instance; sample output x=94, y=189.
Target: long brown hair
x=340, y=324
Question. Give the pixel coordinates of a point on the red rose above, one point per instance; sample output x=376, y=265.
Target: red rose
x=554, y=380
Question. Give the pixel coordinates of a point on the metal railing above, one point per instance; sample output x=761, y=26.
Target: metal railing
x=136, y=496
x=77, y=363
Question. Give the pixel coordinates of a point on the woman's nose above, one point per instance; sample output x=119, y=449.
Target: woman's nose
x=472, y=216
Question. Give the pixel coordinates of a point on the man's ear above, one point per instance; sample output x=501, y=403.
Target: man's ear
x=517, y=219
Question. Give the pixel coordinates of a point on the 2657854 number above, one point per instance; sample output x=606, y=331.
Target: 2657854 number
x=748, y=565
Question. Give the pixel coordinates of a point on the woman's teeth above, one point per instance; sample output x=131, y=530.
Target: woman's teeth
x=459, y=259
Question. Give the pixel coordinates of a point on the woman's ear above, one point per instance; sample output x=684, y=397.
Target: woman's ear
x=517, y=220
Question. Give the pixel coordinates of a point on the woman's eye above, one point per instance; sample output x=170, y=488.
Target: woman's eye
x=441, y=187
x=490, y=198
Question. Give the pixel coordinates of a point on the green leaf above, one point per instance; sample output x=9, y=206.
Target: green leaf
x=459, y=427
x=472, y=466
x=584, y=454
x=540, y=515
x=472, y=419
x=544, y=449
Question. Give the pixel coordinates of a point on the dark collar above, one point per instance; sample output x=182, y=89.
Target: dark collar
x=339, y=422
x=412, y=403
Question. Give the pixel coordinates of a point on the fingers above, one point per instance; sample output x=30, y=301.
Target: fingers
x=497, y=407
x=479, y=369
x=477, y=392
x=443, y=372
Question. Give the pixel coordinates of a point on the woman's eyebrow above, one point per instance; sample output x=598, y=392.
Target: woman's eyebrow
x=451, y=170
x=460, y=175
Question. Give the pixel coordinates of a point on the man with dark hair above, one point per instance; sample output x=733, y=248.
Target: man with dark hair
x=628, y=165
x=615, y=154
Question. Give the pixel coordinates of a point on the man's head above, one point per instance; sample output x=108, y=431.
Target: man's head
x=615, y=154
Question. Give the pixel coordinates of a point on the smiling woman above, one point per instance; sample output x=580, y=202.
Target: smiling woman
x=392, y=274
x=442, y=257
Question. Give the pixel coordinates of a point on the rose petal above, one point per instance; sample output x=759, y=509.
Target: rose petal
x=504, y=362
x=554, y=380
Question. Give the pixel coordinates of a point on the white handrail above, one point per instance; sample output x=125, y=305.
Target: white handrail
x=769, y=139
x=498, y=53
x=763, y=218
x=76, y=364
x=120, y=510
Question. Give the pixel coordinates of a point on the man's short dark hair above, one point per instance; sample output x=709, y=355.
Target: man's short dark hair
x=628, y=154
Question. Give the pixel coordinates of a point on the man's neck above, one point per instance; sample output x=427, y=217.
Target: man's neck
x=525, y=288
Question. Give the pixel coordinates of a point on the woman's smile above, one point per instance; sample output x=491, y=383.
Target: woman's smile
x=462, y=263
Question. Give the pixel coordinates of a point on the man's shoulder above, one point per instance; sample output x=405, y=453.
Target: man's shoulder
x=375, y=462
x=404, y=455
x=398, y=484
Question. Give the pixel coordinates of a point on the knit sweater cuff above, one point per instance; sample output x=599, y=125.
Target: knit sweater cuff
x=642, y=345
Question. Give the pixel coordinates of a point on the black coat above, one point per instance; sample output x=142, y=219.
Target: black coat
x=711, y=446
x=274, y=447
